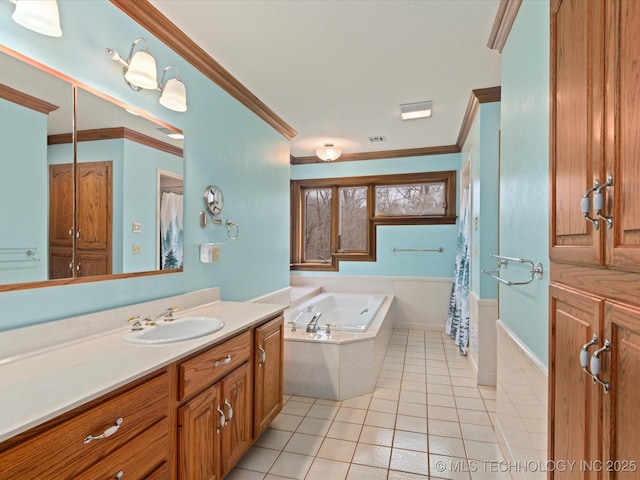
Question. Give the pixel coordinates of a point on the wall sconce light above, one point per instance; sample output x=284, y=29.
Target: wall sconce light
x=411, y=111
x=41, y=16
x=328, y=153
x=140, y=72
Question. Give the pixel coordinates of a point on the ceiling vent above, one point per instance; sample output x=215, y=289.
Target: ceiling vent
x=376, y=139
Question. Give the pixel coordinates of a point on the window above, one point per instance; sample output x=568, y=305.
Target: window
x=335, y=219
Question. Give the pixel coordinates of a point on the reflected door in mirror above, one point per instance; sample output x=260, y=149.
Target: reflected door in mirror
x=61, y=221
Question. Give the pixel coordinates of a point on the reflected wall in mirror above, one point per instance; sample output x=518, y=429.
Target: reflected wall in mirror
x=90, y=199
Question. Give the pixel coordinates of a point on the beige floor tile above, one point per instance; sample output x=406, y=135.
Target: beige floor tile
x=437, y=370
x=304, y=444
x=487, y=392
x=412, y=409
x=334, y=449
x=386, y=393
x=490, y=405
x=376, y=435
x=413, y=377
x=364, y=472
x=483, y=450
x=443, y=428
x=461, y=372
x=415, y=369
x=481, y=433
x=314, y=426
x=395, y=475
x=350, y=415
x=389, y=383
x=380, y=419
x=327, y=412
x=325, y=469
x=394, y=367
x=241, y=474
x=273, y=439
x=414, y=386
x=452, y=447
x=438, y=380
x=345, y=431
x=451, y=468
x=434, y=356
x=438, y=400
x=286, y=422
x=409, y=461
x=297, y=398
x=326, y=401
x=382, y=405
x=418, y=355
x=293, y=407
x=258, y=459
x=440, y=389
x=470, y=403
x=463, y=381
x=411, y=424
x=413, y=397
x=291, y=465
x=476, y=417
x=410, y=441
x=466, y=392
x=361, y=402
x=442, y=413
x=394, y=374
x=372, y=455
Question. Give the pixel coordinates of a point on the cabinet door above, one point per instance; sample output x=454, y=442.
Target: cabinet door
x=576, y=124
x=574, y=399
x=94, y=205
x=236, y=434
x=621, y=367
x=199, y=436
x=623, y=142
x=61, y=205
x=268, y=374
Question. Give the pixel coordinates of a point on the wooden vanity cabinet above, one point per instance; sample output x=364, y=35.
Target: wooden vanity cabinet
x=61, y=449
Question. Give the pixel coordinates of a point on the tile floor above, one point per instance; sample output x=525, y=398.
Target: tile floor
x=427, y=419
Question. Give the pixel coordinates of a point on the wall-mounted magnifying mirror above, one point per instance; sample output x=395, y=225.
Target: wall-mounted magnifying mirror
x=214, y=203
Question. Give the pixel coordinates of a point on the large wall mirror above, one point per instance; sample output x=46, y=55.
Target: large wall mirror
x=102, y=200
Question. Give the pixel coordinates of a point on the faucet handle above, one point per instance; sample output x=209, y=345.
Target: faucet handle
x=329, y=327
x=133, y=318
x=171, y=310
x=293, y=326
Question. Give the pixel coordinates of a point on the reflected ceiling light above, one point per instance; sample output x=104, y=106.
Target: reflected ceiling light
x=411, y=111
x=139, y=69
x=140, y=72
x=171, y=133
x=174, y=93
x=41, y=16
x=328, y=153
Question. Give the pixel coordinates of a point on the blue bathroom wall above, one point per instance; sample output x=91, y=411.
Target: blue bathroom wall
x=23, y=224
x=481, y=149
x=410, y=264
x=524, y=172
x=225, y=144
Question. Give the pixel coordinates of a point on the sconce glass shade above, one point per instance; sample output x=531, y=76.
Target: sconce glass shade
x=328, y=153
x=142, y=71
x=174, y=95
x=41, y=16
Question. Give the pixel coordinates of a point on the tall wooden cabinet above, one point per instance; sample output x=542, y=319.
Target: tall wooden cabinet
x=595, y=237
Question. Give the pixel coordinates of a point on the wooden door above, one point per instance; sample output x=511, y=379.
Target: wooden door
x=236, y=434
x=94, y=218
x=574, y=404
x=267, y=373
x=621, y=368
x=623, y=141
x=61, y=221
x=576, y=126
x=199, y=436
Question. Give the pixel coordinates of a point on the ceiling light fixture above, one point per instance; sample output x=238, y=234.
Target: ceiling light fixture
x=140, y=72
x=411, y=111
x=41, y=16
x=328, y=153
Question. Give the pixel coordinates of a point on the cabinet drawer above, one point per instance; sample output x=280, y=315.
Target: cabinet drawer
x=59, y=451
x=204, y=369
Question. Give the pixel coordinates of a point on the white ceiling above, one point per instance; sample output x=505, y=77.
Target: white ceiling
x=338, y=70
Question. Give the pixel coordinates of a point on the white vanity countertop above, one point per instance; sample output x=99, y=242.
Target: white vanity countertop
x=41, y=385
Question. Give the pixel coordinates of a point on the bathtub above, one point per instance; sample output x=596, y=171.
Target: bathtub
x=344, y=362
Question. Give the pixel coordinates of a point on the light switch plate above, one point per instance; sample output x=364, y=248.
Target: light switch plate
x=136, y=227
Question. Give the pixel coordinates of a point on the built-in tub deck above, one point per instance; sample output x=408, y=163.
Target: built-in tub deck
x=340, y=364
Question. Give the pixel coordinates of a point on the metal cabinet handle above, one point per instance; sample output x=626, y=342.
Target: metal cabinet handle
x=78, y=267
x=263, y=356
x=585, y=205
x=598, y=201
x=119, y=475
x=107, y=433
x=78, y=234
x=596, y=366
x=584, y=354
x=71, y=232
x=224, y=361
x=71, y=266
x=221, y=418
x=229, y=410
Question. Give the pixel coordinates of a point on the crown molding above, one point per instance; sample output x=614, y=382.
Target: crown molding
x=478, y=96
x=150, y=18
x=381, y=154
x=506, y=15
x=26, y=100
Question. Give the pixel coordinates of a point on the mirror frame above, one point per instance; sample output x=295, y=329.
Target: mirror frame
x=75, y=84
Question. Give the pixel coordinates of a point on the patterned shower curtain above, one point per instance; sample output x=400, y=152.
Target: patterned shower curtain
x=171, y=231
x=458, y=318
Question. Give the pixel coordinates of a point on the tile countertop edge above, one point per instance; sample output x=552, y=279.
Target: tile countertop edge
x=42, y=386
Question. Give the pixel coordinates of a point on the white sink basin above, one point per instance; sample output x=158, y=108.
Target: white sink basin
x=180, y=329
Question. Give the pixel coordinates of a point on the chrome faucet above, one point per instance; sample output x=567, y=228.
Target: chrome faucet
x=167, y=314
x=302, y=312
x=312, y=326
x=137, y=325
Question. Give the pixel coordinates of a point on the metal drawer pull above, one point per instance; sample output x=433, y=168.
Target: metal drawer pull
x=584, y=354
x=107, y=433
x=222, y=420
x=596, y=365
x=585, y=205
x=229, y=410
x=119, y=475
x=224, y=361
x=263, y=356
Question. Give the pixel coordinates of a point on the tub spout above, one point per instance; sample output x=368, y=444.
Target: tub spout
x=312, y=326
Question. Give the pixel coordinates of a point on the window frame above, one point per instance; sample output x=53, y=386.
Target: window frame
x=298, y=188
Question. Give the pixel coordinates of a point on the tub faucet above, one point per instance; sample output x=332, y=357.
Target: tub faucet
x=312, y=326
x=302, y=312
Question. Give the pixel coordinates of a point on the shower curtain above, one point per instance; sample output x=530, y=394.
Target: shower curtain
x=458, y=318
x=171, y=231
